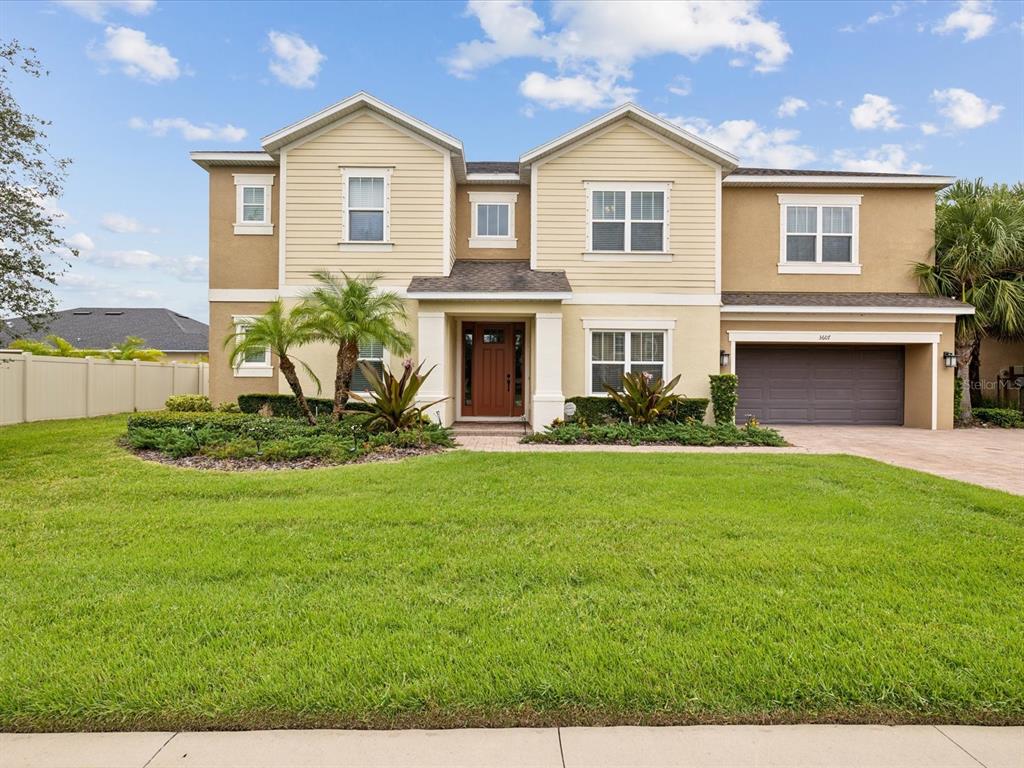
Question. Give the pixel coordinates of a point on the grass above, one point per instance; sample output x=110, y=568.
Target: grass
x=499, y=589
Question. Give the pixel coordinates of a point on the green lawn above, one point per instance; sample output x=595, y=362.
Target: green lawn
x=499, y=589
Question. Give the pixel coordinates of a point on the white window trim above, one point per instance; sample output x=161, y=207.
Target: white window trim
x=818, y=267
x=665, y=254
x=477, y=240
x=624, y=325
x=251, y=370
x=366, y=246
x=243, y=180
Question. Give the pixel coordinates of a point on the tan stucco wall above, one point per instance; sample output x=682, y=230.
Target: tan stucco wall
x=241, y=261
x=917, y=381
x=313, y=199
x=997, y=356
x=464, y=223
x=626, y=153
x=896, y=229
x=224, y=385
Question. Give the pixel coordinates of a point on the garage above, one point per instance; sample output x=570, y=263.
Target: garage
x=814, y=384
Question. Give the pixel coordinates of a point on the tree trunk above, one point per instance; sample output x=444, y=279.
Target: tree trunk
x=288, y=369
x=348, y=356
x=974, y=369
x=964, y=352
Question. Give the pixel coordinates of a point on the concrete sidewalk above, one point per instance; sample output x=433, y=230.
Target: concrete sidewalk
x=791, y=746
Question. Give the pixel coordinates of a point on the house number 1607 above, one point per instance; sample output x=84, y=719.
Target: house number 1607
x=825, y=337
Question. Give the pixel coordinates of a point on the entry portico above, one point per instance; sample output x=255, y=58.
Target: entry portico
x=493, y=329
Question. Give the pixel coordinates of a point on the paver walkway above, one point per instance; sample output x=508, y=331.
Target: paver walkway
x=990, y=457
x=791, y=746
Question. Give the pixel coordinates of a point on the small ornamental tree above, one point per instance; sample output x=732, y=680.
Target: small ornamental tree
x=724, y=396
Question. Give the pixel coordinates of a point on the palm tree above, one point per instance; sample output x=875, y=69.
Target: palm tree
x=979, y=259
x=280, y=331
x=132, y=349
x=349, y=311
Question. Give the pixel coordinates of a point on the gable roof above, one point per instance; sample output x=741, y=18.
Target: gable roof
x=103, y=327
x=650, y=121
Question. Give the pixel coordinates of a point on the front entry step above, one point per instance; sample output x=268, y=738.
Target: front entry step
x=490, y=428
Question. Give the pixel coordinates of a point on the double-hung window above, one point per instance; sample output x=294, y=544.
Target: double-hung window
x=254, y=362
x=630, y=218
x=614, y=353
x=493, y=219
x=372, y=354
x=367, y=208
x=819, y=234
x=252, y=203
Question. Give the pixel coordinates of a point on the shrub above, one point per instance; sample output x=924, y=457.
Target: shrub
x=1008, y=418
x=188, y=403
x=430, y=435
x=958, y=396
x=724, y=395
x=600, y=410
x=393, y=398
x=287, y=406
x=672, y=433
x=238, y=448
x=644, y=399
x=228, y=408
x=231, y=422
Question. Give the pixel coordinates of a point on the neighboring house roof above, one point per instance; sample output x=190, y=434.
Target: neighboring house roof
x=103, y=327
x=493, y=166
x=754, y=177
x=795, y=302
x=493, y=277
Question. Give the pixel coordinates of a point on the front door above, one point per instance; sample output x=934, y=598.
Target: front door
x=492, y=369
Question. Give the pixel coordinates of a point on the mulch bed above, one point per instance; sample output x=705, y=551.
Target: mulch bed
x=258, y=465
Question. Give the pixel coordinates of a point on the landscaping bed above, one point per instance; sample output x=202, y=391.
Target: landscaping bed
x=663, y=433
x=499, y=589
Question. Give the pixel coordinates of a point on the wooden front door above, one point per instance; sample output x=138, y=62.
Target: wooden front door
x=493, y=369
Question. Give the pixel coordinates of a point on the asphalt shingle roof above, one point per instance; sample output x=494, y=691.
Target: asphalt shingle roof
x=804, y=172
x=493, y=166
x=493, y=277
x=103, y=327
x=838, y=300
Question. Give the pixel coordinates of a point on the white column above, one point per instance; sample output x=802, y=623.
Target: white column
x=935, y=385
x=432, y=342
x=548, y=400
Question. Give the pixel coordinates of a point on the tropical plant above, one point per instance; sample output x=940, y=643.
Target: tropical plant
x=132, y=349
x=349, y=311
x=979, y=259
x=644, y=399
x=392, y=404
x=55, y=346
x=280, y=331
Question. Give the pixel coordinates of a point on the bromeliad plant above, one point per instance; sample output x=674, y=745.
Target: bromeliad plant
x=392, y=404
x=643, y=398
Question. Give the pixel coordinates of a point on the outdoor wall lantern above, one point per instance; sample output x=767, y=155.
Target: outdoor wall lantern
x=723, y=358
x=949, y=358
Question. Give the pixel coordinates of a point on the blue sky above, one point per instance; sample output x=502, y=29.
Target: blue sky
x=932, y=87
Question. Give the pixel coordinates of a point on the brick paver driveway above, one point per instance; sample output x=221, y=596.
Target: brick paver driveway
x=989, y=457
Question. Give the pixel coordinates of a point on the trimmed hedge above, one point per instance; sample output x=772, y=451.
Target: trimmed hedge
x=668, y=433
x=724, y=396
x=1008, y=418
x=601, y=410
x=188, y=403
x=287, y=406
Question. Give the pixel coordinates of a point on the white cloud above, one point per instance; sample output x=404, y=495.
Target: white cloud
x=187, y=268
x=295, y=62
x=929, y=128
x=81, y=241
x=790, y=106
x=96, y=10
x=74, y=280
x=600, y=42
x=189, y=131
x=971, y=16
x=894, y=10
x=102, y=292
x=965, y=110
x=681, y=85
x=121, y=224
x=126, y=259
x=888, y=158
x=754, y=145
x=138, y=57
x=577, y=92
x=875, y=112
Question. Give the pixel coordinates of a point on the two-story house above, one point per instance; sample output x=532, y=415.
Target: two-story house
x=627, y=244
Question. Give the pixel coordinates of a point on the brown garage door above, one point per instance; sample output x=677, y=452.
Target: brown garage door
x=820, y=384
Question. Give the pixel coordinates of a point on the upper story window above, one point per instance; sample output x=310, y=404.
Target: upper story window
x=493, y=219
x=627, y=219
x=252, y=203
x=366, y=204
x=819, y=234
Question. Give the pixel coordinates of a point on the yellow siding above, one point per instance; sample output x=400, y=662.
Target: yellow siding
x=313, y=201
x=451, y=219
x=627, y=153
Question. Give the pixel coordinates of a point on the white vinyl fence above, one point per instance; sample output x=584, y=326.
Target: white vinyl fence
x=37, y=387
